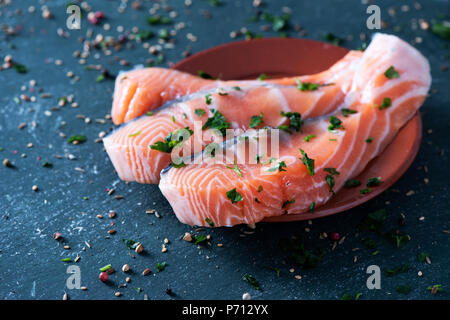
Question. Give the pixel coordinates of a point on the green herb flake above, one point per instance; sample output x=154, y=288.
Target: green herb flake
x=47, y=164
x=309, y=137
x=335, y=123
x=237, y=88
x=387, y=102
x=262, y=77
x=200, y=112
x=172, y=140
x=234, y=196
x=330, y=37
x=435, y=288
x=66, y=260
x=345, y=112
x=295, y=121
x=209, y=221
x=131, y=244
x=217, y=121
x=78, y=138
x=204, y=75
x=236, y=168
x=373, y=182
x=306, y=86
x=100, y=78
x=156, y=19
x=287, y=202
x=252, y=281
x=20, y=68
x=144, y=35
x=280, y=167
x=312, y=206
x=135, y=134
x=374, y=221
x=369, y=140
x=352, y=183
x=199, y=239
x=397, y=270
x=441, y=29
x=149, y=113
x=105, y=268
x=161, y=266
x=256, y=120
x=391, y=73
x=308, y=162
x=365, y=191
x=208, y=99
x=260, y=188
x=422, y=257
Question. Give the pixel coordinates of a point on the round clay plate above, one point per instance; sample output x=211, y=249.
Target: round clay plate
x=279, y=57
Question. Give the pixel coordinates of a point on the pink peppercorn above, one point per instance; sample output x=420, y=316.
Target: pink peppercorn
x=99, y=15
x=334, y=236
x=103, y=277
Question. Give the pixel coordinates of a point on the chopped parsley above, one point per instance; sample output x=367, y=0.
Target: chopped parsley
x=199, y=239
x=256, y=120
x=387, y=102
x=330, y=37
x=441, y=29
x=345, y=112
x=236, y=168
x=312, y=206
x=199, y=112
x=309, y=137
x=308, y=162
x=422, y=257
x=144, y=35
x=352, y=183
x=372, y=182
x=369, y=140
x=47, y=164
x=262, y=77
x=252, y=281
x=330, y=177
x=66, y=260
x=391, y=73
x=280, y=167
x=335, y=123
x=234, y=196
x=135, y=134
x=374, y=221
x=365, y=191
x=156, y=19
x=287, y=202
x=217, y=121
x=105, y=268
x=78, y=138
x=149, y=113
x=260, y=188
x=208, y=98
x=306, y=86
x=172, y=140
x=131, y=244
x=237, y=88
x=397, y=270
x=204, y=75
x=295, y=121
x=209, y=221
x=161, y=266
x=20, y=68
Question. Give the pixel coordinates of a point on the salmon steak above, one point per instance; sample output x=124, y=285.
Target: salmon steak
x=389, y=85
x=132, y=147
x=142, y=90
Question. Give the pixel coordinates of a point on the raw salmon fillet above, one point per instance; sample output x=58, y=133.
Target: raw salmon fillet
x=390, y=84
x=128, y=146
x=139, y=91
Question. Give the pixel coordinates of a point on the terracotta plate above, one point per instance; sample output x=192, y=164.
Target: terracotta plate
x=277, y=57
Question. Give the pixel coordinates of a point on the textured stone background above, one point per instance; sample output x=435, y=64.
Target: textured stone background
x=30, y=259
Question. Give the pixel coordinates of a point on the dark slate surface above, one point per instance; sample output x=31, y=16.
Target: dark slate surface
x=30, y=260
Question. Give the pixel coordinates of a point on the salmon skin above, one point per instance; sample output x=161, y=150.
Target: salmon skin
x=128, y=146
x=389, y=86
x=139, y=91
